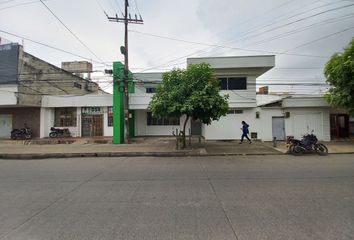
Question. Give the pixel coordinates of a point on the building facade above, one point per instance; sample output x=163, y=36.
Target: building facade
x=24, y=80
x=43, y=96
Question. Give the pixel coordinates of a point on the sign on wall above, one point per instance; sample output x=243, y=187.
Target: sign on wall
x=9, y=63
x=92, y=110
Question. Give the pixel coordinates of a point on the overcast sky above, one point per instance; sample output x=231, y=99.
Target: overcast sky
x=302, y=34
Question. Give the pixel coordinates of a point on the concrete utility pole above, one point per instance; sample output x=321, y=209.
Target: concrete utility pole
x=124, y=50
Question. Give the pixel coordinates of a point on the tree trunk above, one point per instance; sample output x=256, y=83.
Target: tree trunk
x=184, y=132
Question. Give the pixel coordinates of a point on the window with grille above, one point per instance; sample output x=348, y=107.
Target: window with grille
x=150, y=90
x=65, y=117
x=110, y=116
x=151, y=120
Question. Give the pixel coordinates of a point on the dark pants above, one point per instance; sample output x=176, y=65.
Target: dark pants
x=245, y=135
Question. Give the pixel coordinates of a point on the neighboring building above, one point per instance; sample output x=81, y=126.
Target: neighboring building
x=24, y=80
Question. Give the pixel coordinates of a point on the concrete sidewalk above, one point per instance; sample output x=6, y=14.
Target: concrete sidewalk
x=102, y=147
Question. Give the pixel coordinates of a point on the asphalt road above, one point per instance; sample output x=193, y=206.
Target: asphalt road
x=258, y=197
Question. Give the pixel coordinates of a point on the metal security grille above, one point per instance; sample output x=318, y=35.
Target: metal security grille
x=92, y=125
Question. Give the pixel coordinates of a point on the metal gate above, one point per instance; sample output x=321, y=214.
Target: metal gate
x=278, y=128
x=5, y=125
x=92, y=125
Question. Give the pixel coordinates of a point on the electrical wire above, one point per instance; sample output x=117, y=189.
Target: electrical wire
x=296, y=21
x=21, y=4
x=72, y=33
x=318, y=39
x=220, y=46
x=305, y=28
x=7, y=1
x=52, y=47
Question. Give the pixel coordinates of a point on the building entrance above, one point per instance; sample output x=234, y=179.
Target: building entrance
x=91, y=121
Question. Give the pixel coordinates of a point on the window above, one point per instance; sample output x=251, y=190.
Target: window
x=233, y=83
x=150, y=90
x=65, y=117
x=151, y=120
x=110, y=116
x=235, y=111
x=77, y=85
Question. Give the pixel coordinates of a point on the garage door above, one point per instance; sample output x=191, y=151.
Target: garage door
x=5, y=126
x=305, y=123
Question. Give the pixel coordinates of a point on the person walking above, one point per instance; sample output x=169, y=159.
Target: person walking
x=245, y=132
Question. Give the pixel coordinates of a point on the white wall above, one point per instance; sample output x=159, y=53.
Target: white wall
x=263, y=124
x=107, y=130
x=7, y=94
x=47, y=121
x=228, y=127
x=303, y=121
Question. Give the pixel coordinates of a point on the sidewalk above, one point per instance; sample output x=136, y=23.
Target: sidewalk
x=103, y=147
x=336, y=146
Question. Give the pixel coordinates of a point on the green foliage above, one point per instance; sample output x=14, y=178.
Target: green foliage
x=193, y=92
x=339, y=72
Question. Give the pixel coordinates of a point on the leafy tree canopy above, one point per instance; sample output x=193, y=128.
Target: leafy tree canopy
x=193, y=92
x=339, y=72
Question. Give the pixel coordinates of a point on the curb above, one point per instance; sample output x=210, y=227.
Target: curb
x=122, y=154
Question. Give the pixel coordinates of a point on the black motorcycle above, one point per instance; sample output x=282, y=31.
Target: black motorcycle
x=21, y=133
x=58, y=132
x=308, y=143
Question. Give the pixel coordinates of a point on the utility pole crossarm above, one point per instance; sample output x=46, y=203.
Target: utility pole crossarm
x=122, y=20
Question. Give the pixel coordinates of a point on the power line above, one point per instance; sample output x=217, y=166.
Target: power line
x=301, y=29
x=52, y=47
x=252, y=19
x=7, y=1
x=21, y=4
x=242, y=23
x=72, y=33
x=318, y=39
x=289, y=23
x=218, y=46
x=136, y=6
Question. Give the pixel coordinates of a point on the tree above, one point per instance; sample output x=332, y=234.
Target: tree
x=339, y=72
x=193, y=92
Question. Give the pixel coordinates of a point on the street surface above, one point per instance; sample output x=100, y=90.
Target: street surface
x=247, y=197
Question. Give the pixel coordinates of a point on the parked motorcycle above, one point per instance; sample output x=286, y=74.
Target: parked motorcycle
x=21, y=133
x=308, y=143
x=59, y=132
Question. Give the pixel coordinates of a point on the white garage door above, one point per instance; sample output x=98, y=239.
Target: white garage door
x=304, y=123
x=5, y=126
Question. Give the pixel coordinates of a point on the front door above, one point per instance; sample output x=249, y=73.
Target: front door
x=278, y=128
x=339, y=125
x=92, y=125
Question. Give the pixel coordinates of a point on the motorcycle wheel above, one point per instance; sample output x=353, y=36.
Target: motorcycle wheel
x=53, y=134
x=28, y=136
x=13, y=136
x=321, y=149
x=296, y=150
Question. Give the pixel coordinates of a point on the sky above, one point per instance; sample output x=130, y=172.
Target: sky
x=302, y=34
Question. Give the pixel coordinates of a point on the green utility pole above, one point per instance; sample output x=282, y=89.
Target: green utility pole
x=118, y=108
x=126, y=19
x=118, y=103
